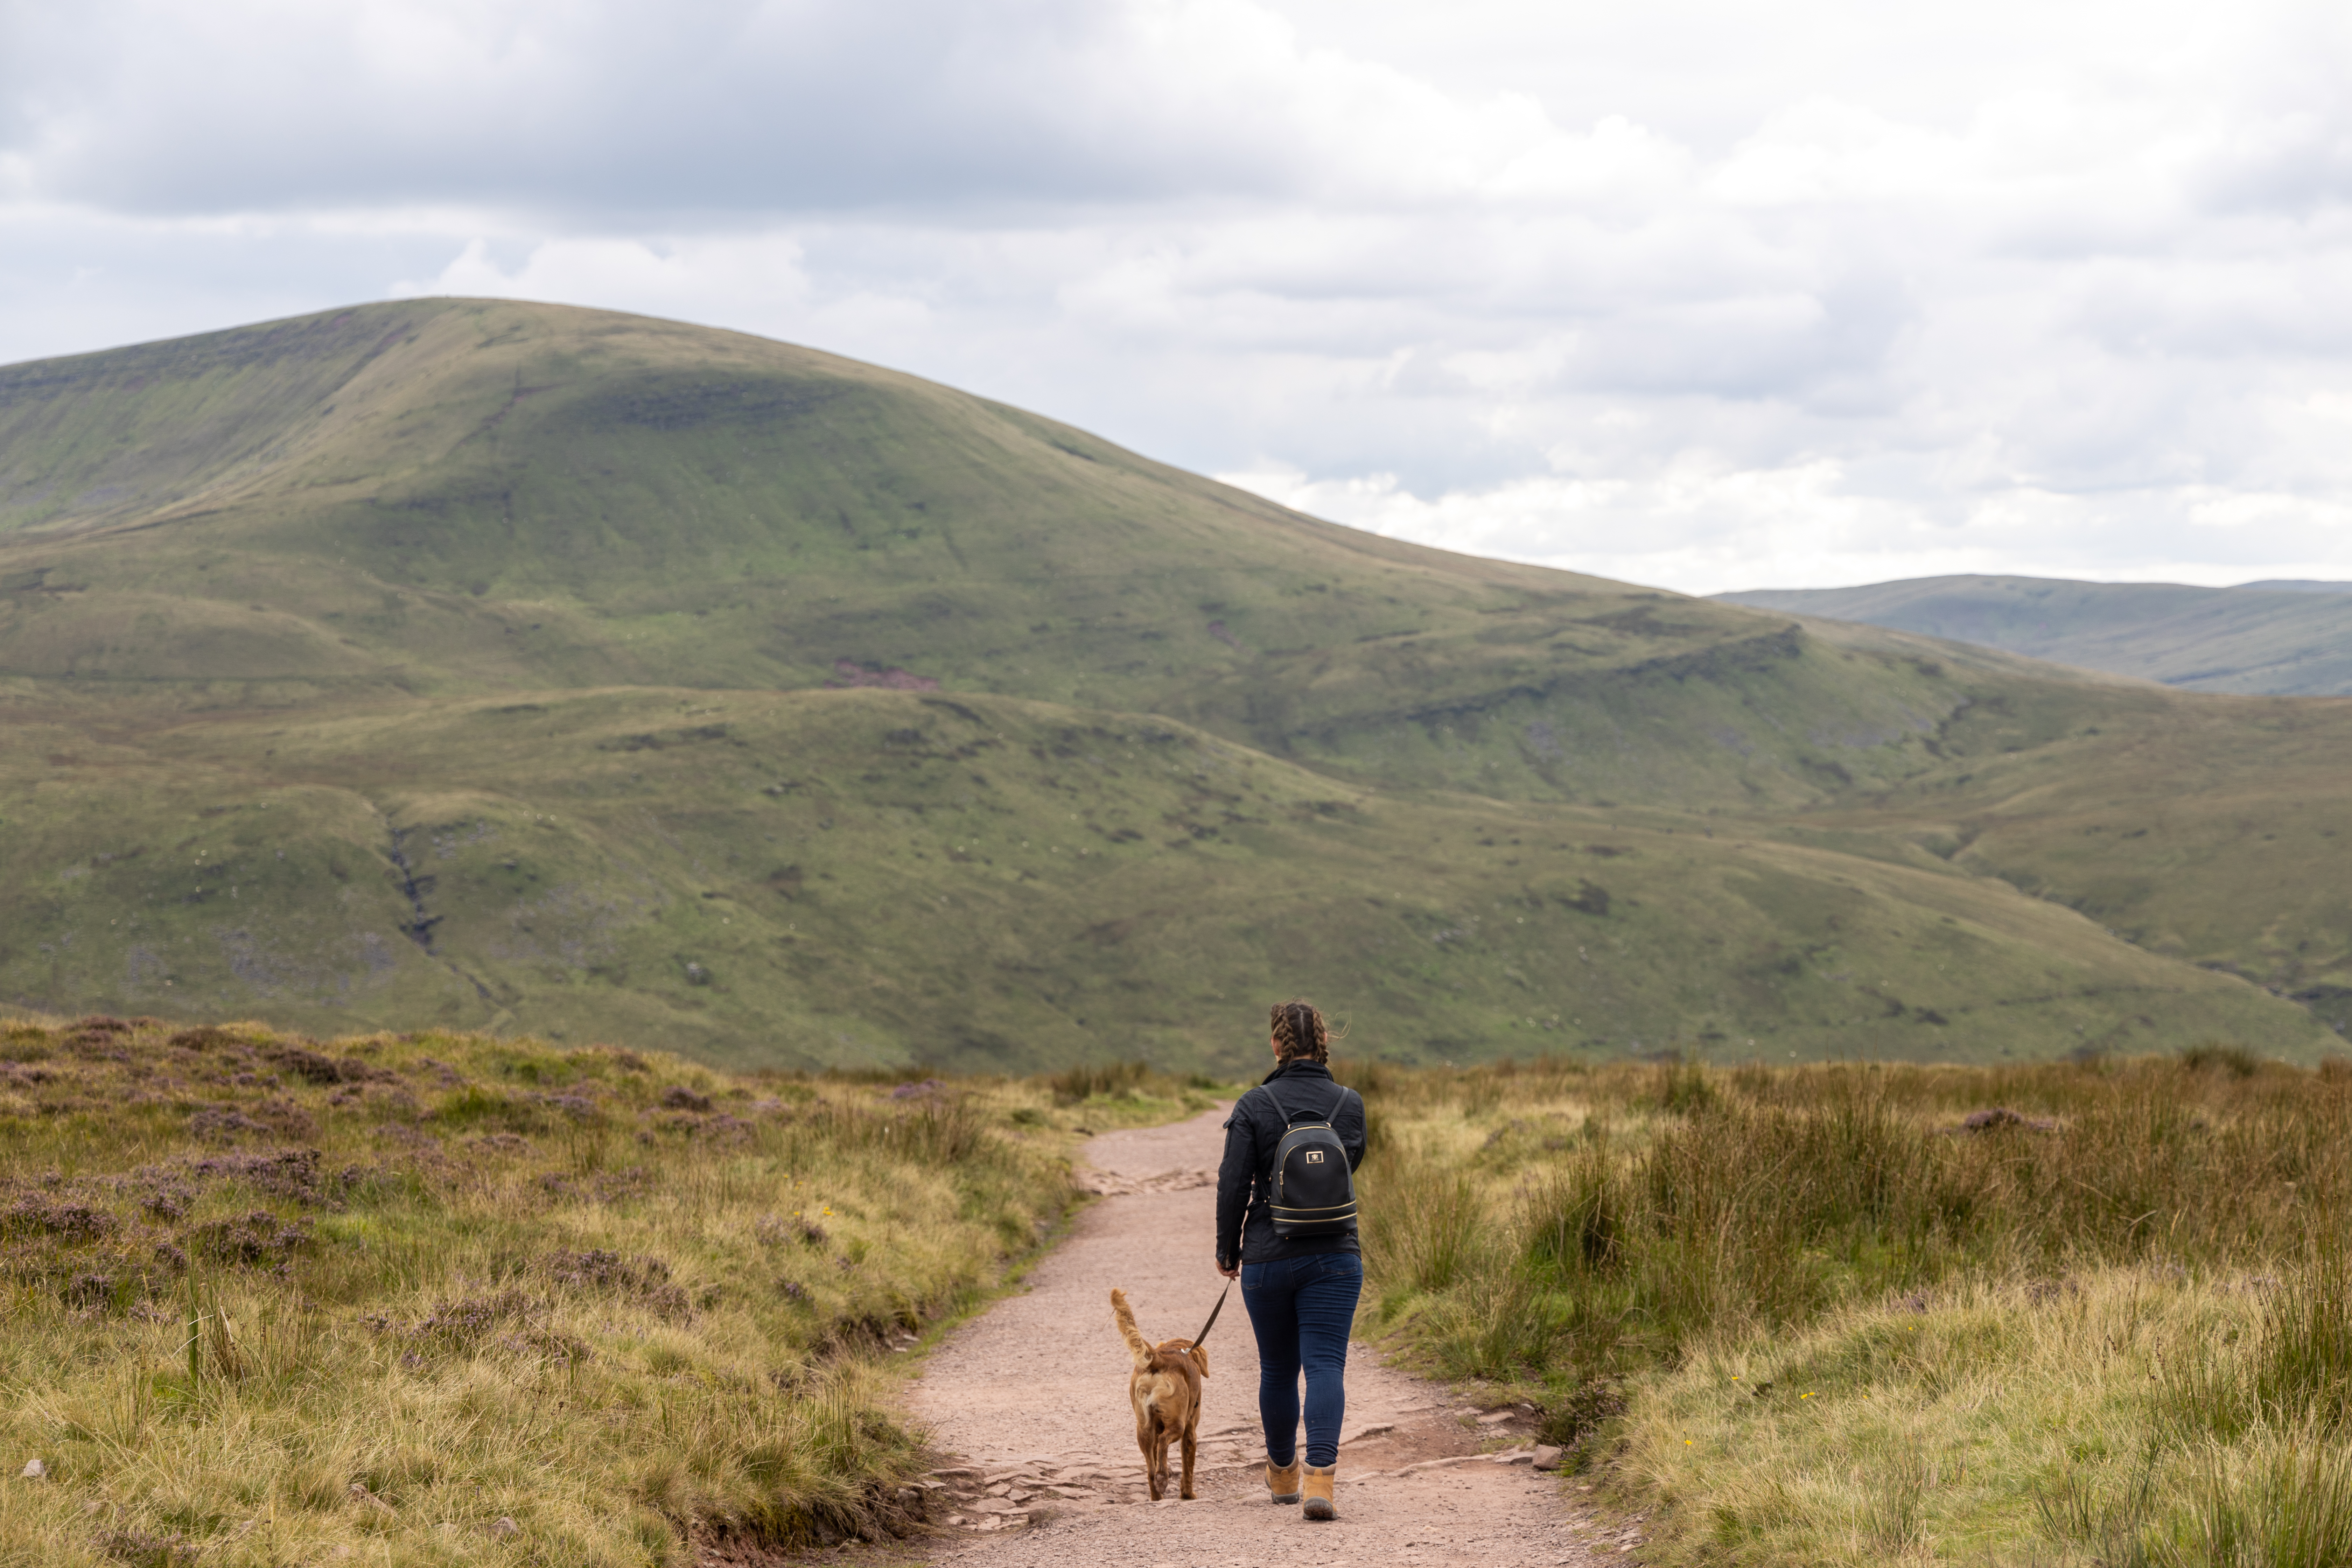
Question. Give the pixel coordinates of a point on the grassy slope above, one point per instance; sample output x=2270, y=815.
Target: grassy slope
x=2250, y=640
x=979, y=883
x=268, y=592
x=2207, y=829
x=1800, y=1316
x=623, y=1302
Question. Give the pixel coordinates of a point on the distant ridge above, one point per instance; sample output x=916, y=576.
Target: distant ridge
x=2280, y=637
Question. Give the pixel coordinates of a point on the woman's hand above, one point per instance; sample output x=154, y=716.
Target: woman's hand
x=1233, y=1273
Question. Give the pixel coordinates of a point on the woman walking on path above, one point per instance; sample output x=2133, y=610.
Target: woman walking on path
x=1300, y=1277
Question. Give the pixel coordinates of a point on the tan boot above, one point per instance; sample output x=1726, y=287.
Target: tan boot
x=1282, y=1480
x=1318, y=1492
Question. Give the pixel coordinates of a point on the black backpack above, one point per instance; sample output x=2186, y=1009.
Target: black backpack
x=1314, y=1193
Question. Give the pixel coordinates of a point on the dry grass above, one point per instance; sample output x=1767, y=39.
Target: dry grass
x=440, y=1298
x=2093, y=1312
x=2006, y=1423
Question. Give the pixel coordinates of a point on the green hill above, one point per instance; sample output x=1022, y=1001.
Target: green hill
x=456, y=497
x=484, y=665
x=2280, y=639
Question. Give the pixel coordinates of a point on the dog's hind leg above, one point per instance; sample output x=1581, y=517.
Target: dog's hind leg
x=1147, y=1434
x=1158, y=1458
x=1192, y=1441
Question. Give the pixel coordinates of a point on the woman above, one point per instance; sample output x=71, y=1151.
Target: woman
x=1300, y=1289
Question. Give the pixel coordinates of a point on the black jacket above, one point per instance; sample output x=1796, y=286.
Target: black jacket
x=1301, y=1091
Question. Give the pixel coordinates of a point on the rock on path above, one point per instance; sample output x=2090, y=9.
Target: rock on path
x=1032, y=1400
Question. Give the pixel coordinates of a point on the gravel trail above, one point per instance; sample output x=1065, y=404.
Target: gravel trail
x=1031, y=1398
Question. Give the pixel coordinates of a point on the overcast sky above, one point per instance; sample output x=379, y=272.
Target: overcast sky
x=1691, y=293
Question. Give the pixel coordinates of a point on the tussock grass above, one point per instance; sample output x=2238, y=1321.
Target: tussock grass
x=2118, y=1420
x=2085, y=1312
x=268, y=1298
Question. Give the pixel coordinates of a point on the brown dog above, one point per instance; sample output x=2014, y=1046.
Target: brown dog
x=1165, y=1389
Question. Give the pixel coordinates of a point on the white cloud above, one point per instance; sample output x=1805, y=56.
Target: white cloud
x=1705, y=529
x=1695, y=293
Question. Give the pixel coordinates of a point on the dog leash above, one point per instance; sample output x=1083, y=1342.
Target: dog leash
x=1213, y=1311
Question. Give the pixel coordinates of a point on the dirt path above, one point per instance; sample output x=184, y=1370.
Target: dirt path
x=1032, y=1398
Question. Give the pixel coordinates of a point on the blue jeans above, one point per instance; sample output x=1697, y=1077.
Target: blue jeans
x=1302, y=1308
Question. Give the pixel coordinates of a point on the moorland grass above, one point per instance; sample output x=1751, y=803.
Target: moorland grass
x=441, y=1299
x=2078, y=1312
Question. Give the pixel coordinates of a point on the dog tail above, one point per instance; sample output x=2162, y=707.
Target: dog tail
x=1136, y=1342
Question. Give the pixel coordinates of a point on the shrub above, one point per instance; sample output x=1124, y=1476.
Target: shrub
x=1575, y=1225
x=1685, y=1087
x=1079, y=1084
x=2230, y=1058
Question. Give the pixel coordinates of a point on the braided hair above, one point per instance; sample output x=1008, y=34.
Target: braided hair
x=1299, y=1033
